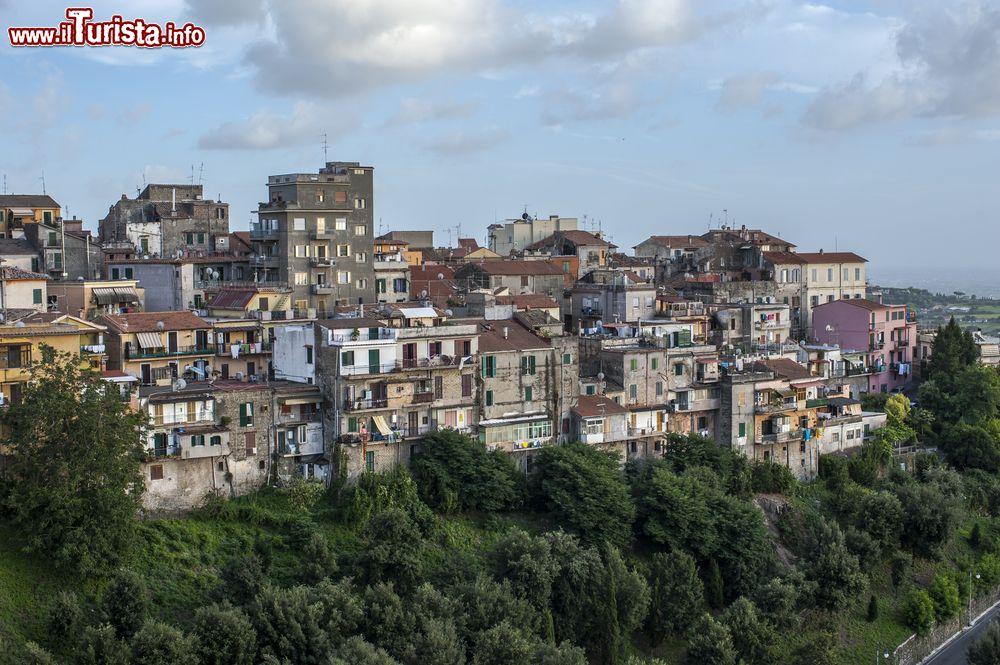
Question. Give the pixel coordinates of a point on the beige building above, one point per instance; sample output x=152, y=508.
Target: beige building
x=158, y=347
x=90, y=299
x=22, y=290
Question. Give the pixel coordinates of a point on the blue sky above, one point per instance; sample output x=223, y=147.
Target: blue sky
x=856, y=125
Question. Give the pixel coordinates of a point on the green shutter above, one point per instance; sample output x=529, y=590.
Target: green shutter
x=531, y=365
x=489, y=398
x=370, y=461
x=36, y=296
x=567, y=359
x=352, y=424
x=591, y=390
x=524, y=365
x=743, y=429
x=243, y=415
x=527, y=393
x=655, y=363
x=374, y=362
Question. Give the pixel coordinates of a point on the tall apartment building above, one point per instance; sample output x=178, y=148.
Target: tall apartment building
x=516, y=234
x=315, y=234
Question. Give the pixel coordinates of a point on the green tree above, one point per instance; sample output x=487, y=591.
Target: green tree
x=392, y=549
x=677, y=595
x=224, y=636
x=356, y=651
x=389, y=624
x=241, y=578
x=584, y=489
x=65, y=617
x=953, y=350
x=503, y=644
x=34, y=654
x=527, y=563
x=944, y=593
x=872, y=614
x=318, y=560
x=752, y=638
x=100, y=646
x=880, y=515
x=710, y=644
x=437, y=643
x=456, y=472
x=72, y=457
x=125, y=603
x=919, y=611
x=827, y=562
x=970, y=447
x=485, y=602
x=713, y=585
x=930, y=515
x=819, y=649
x=986, y=650
x=158, y=643
x=289, y=626
x=777, y=600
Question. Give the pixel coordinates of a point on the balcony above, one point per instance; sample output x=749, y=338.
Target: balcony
x=322, y=261
x=324, y=234
x=783, y=437
x=390, y=265
x=321, y=289
x=198, y=418
x=246, y=348
x=594, y=311
x=423, y=397
x=265, y=261
x=902, y=343
x=261, y=233
x=877, y=345
x=776, y=407
x=142, y=354
x=365, y=404
x=857, y=371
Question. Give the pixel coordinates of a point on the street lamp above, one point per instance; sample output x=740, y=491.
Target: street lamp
x=884, y=654
x=970, y=595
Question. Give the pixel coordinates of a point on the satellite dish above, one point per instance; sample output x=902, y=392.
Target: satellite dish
x=829, y=328
x=179, y=384
x=19, y=324
x=423, y=294
x=160, y=325
x=600, y=376
x=524, y=216
x=440, y=275
x=599, y=323
x=449, y=312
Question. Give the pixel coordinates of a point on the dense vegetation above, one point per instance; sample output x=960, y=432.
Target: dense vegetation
x=701, y=556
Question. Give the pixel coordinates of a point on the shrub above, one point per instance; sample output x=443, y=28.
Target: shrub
x=125, y=603
x=944, y=593
x=872, y=614
x=65, y=616
x=986, y=650
x=157, y=643
x=919, y=612
x=711, y=644
x=224, y=636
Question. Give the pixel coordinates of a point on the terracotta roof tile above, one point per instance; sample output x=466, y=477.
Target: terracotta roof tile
x=832, y=257
x=148, y=321
x=591, y=406
x=518, y=338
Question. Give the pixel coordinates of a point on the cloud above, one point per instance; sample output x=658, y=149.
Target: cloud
x=226, y=12
x=466, y=143
x=335, y=48
x=526, y=91
x=267, y=130
x=745, y=90
x=951, y=135
x=947, y=65
x=414, y=111
x=566, y=105
x=134, y=115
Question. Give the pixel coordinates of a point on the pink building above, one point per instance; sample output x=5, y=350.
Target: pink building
x=887, y=334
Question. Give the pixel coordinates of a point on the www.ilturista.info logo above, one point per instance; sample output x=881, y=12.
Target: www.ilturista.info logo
x=80, y=30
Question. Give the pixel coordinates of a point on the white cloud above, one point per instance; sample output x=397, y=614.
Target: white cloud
x=266, y=129
x=226, y=12
x=465, y=143
x=415, y=111
x=617, y=100
x=745, y=90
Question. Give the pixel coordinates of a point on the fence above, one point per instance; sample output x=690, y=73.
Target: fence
x=915, y=649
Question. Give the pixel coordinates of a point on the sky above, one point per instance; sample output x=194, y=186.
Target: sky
x=850, y=125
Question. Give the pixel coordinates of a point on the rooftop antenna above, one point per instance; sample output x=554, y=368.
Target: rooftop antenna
x=201, y=172
x=725, y=213
x=43, y=181
x=191, y=179
x=5, y=184
x=710, y=220
x=324, y=147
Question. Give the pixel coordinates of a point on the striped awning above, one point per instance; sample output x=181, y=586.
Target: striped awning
x=149, y=340
x=112, y=295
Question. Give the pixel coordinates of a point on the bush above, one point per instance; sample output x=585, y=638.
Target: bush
x=392, y=546
x=303, y=494
x=125, y=603
x=872, y=614
x=944, y=593
x=157, y=643
x=224, y=636
x=711, y=644
x=752, y=638
x=374, y=493
x=318, y=560
x=242, y=578
x=677, y=594
x=919, y=612
x=767, y=476
x=65, y=617
x=899, y=566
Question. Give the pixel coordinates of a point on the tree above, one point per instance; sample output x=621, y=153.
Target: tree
x=752, y=638
x=710, y=644
x=289, y=625
x=389, y=624
x=970, y=447
x=356, y=651
x=100, y=646
x=73, y=449
x=585, y=490
x=65, y=617
x=819, y=649
x=929, y=517
x=676, y=594
x=919, y=612
x=437, y=643
x=318, y=560
x=158, y=643
x=503, y=644
x=224, y=636
x=880, y=515
x=527, y=563
x=945, y=596
x=125, y=603
x=242, y=578
x=713, y=585
x=872, y=614
x=485, y=602
x=34, y=654
x=777, y=600
x=953, y=350
x=827, y=561
x=986, y=650
x=392, y=546
x=627, y=600
x=456, y=472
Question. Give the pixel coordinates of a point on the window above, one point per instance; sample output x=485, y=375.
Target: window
x=309, y=355
x=659, y=389
x=489, y=366
x=829, y=274
x=360, y=257
x=197, y=440
x=527, y=365
x=299, y=224
x=784, y=274
x=340, y=223
x=346, y=358
x=567, y=359
x=702, y=422
x=489, y=398
x=201, y=238
x=352, y=424
x=635, y=301
x=524, y=280
x=857, y=274
x=370, y=461
x=319, y=196
x=814, y=278
x=591, y=390
x=829, y=298
x=379, y=286
x=633, y=364
x=434, y=348
x=52, y=238
x=438, y=387
x=34, y=266
x=361, y=284
x=128, y=273
x=654, y=363
x=566, y=266
x=360, y=203
x=527, y=393
x=301, y=251
x=189, y=238
x=743, y=430
x=246, y=414
x=360, y=230
x=466, y=385
x=301, y=279
x=814, y=301
x=340, y=197
x=633, y=391
x=156, y=472
x=36, y=296
x=678, y=369
x=216, y=440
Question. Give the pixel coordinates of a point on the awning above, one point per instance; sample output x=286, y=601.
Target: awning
x=112, y=295
x=22, y=212
x=300, y=400
x=381, y=425
x=786, y=393
x=126, y=294
x=149, y=340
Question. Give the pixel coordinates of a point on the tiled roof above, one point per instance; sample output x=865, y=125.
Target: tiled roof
x=27, y=201
x=508, y=267
x=785, y=367
x=527, y=300
x=832, y=257
x=243, y=237
x=677, y=241
x=779, y=258
x=16, y=246
x=864, y=303
x=230, y=298
x=575, y=237
x=13, y=273
x=518, y=338
x=149, y=321
x=591, y=406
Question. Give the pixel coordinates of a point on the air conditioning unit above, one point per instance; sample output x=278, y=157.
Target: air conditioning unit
x=239, y=376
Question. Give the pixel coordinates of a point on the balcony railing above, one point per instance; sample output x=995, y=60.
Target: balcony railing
x=590, y=311
x=857, y=371
x=133, y=353
x=190, y=420
x=322, y=261
x=783, y=437
x=246, y=348
x=259, y=233
x=405, y=364
x=365, y=404
x=322, y=289
x=902, y=343
x=423, y=397
x=776, y=407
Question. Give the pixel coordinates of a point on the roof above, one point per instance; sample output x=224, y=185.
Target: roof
x=508, y=267
x=232, y=298
x=16, y=246
x=27, y=201
x=528, y=300
x=517, y=338
x=831, y=257
x=864, y=303
x=784, y=257
x=13, y=273
x=842, y=401
x=590, y=406
x=243, y=237
x=573, y=236
x=676, y=241
x=149, y=321
x=786, y=368
x=359, y=323
x=468, y=243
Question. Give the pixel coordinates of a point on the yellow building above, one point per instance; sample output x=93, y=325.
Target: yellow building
x=20, y=345
x=158, y=347
x=16, y=210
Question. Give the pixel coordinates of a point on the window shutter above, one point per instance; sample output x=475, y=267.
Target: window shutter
x=243, y=415
x=531, y=364
x=438, y=387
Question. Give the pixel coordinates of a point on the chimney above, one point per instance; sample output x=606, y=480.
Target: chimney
x=173, y=200
x=506, y=330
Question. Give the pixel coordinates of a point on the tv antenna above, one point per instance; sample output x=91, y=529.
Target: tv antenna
x=201, y=172
x=5, y=184
x=191, y=178
x=43, y=181
x=324, y=147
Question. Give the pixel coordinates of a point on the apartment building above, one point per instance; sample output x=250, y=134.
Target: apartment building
x=300, y=445
x=513, y=235
x=315, y=233
x=22, y=290
x=609, y=296
x=158, y=347
x=886, y=333
x=589, y=251
x=518, y=277
x=392, y=271
x=388, y=381
x=89, y=299
x=18, y=211
x=181, y=283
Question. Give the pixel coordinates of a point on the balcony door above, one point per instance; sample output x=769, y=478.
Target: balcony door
x=172, y=342
x=409, y=355
x=374, y=362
